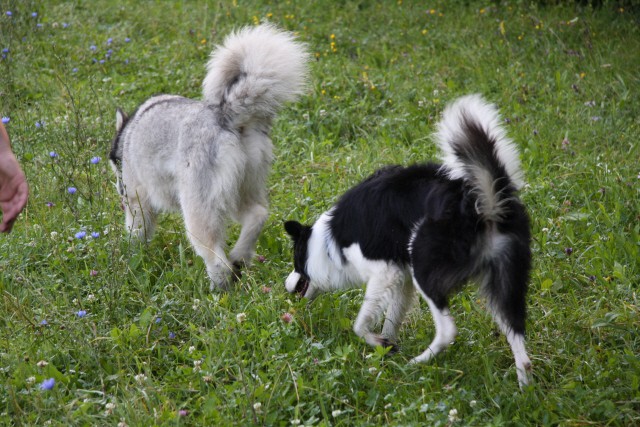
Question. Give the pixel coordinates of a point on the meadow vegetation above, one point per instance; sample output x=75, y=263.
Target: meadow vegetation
x=95, y=330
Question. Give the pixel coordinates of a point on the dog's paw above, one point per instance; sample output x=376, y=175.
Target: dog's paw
x=236, y=271
x=387, y=343
x=221, y=281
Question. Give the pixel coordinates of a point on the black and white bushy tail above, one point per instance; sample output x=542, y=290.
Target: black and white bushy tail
x=476, y=149
x=254, y=72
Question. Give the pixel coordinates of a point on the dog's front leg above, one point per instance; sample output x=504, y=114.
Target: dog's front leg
x=402, y=299
x=140, y=219
x=375, y=301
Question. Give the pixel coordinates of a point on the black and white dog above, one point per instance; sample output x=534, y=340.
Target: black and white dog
x=436, y=225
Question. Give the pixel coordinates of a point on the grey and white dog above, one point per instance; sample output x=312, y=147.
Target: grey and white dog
x=210, y=159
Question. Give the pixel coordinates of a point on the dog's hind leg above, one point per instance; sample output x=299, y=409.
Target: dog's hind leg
x=505, y=284
x=516, y=342
x=208, y=238
x=211, y=249
x=401, y=301
x=445, y=331
x=438, y=269
x=252, y=220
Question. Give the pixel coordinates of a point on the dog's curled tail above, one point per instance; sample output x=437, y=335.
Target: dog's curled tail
x=476, y=149
x=254, y=72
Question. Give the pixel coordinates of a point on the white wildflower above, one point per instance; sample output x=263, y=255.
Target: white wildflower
x=109, y=407
x=140, y=378
x=241, y=317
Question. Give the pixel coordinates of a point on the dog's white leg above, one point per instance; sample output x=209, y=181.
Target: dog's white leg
x=401, y=301
x=376, y=299
x=208, y=242
x=445, y=332
x=516, y=342
x=252, y=221
x=523, y=363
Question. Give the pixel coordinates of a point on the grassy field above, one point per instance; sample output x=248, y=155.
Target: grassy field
x=132, y=336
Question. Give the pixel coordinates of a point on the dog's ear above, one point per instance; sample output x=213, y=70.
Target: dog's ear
x=294, y=229
x=121, y=119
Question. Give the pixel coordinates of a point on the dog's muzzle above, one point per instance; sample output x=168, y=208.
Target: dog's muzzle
x=297, y=283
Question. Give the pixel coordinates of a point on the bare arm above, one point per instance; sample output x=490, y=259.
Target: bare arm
x=13, y=184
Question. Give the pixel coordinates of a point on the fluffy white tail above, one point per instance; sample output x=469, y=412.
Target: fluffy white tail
x=254, y=72
x=476, y=149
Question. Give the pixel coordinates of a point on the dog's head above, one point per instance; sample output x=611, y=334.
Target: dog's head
x=115, y=155
x=299, y=281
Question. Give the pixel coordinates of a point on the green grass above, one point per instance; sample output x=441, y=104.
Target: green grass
x=154, y=341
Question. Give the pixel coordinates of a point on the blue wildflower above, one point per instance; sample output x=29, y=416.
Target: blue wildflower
x=158, y=319
x=53, y=154
x=95, y=234
x=50, y=204
x=127, y=39
x=109, y=40
x=93, y=47
x=5, y=50
x=48, y=384
x=81, y=313
x=95, y=160
x=9, y=13
x=44, y=322
x=75, y=70
x=39, y=25
x=172, y=335
x=65, y=25
x=81, y=234
x=34, y=14
x=72, y=190
x=5, y=120
x=39, y=124
x=101, y=61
